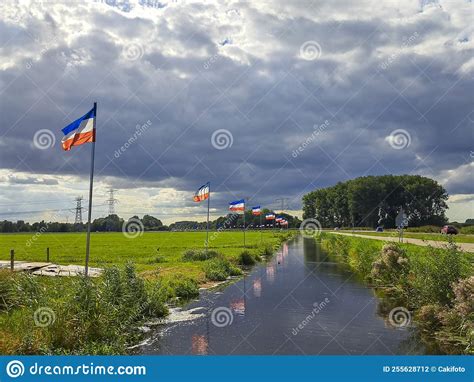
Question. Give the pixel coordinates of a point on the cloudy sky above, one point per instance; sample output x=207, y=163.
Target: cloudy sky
x=266, y=99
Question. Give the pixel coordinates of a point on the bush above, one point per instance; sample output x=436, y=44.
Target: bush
x=469, y=230
x=7, y=296
x=217, y=269
x=246, y=258
x=434, y=274
x=362, y=256
x=186, y=288
x=425, y=229
x=337, y=244
x=196, y=255
x=267, y=251
x=452, y=327
x=393, y=266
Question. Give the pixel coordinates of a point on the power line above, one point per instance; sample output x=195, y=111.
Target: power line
x=284, y=203
x=79, y=208
x=112, y=201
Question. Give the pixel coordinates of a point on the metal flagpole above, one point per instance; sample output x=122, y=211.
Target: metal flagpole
x=207, y=226
x=261, y=234
x=89, y=213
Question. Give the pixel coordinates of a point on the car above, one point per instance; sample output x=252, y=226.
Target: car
x=449, y=230
x=379, y=229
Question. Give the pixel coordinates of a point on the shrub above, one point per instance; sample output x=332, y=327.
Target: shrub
x=434, y=274
x=393, y=266
x=7, y=296
x=196, y=255
x=337, y=244
x=267, y=251
x=246, y=258
x=469, y=230
x=157, y=303
x=362, y=256
x=234, y=271
x=217, y=269
x=186, y=288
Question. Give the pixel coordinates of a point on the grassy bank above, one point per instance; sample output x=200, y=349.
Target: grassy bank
x=75, y=315
x=461, y=238
x=435, y=285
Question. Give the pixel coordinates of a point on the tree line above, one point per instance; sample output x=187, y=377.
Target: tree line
x=114, y=223
x=372, y=201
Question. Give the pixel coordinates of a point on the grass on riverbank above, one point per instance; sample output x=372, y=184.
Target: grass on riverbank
x=436, y=284
x=75, y=315
x=461, y=238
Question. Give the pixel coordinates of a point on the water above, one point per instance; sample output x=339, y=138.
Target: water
x=298, y=303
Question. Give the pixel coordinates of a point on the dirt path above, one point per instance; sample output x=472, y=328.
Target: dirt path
x=468, y=247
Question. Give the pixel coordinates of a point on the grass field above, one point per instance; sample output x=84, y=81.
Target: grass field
x=142, y=276
x=152, y=252
x=461, y=238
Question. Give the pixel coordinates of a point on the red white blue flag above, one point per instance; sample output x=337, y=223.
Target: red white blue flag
x=80, y=131
x=238, y=205
x=256, y=211
x=202, y=193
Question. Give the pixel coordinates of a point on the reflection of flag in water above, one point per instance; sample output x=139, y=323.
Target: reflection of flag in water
x=284, y=250
x=270, y=217
x=270, y=273
x=280, y=257
x=257, y=288
x=199, y=345
x=256, y=211
x=202, y=193
x=238, y=205
x=80, y=131
x=238, y=306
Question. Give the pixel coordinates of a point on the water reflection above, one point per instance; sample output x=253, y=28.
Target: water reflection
x=279, y=296
x=257, y=287
x=238, y=306
x=270, y=272
x=199, y=345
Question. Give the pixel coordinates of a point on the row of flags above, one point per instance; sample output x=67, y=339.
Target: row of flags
x=237, y=206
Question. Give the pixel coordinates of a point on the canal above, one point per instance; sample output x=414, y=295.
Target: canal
x=299, y=302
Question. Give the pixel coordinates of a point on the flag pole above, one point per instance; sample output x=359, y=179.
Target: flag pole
x=207, y=226
x=89, y=213
x=261, y=238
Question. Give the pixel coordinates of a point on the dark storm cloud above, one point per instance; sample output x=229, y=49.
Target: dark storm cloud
x=374, y=75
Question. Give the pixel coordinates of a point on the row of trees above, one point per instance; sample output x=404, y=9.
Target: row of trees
x=115, y=223
x=109, y=223
x=376, y=200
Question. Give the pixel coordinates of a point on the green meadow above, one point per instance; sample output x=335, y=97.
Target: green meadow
x=152, y=253
x=143, y=275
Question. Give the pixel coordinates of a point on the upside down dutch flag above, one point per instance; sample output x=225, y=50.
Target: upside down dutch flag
x=202, y=193
x=238, y=205
x=80, y=131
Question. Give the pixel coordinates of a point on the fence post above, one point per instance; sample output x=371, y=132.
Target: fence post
x=47, y=255
x=12, y=259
